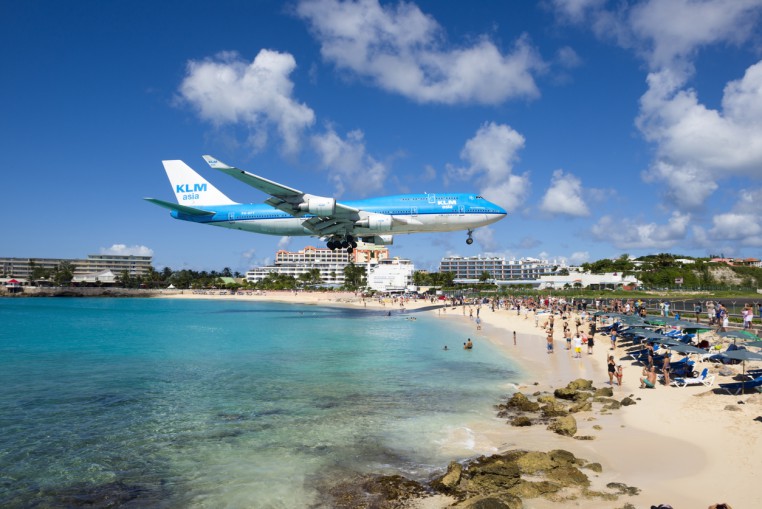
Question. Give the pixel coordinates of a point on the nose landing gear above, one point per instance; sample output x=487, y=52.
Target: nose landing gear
x=470, y=240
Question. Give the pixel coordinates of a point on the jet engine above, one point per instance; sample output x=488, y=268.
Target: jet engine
x=379, y=240
x=318, y=205
x=376, y=222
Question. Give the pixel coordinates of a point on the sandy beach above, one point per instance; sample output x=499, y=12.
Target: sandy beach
x=688, y=447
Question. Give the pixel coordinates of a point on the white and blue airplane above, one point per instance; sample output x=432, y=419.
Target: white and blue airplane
x=290, y=212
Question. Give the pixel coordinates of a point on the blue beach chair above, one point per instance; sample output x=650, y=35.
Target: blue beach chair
x=739, y=387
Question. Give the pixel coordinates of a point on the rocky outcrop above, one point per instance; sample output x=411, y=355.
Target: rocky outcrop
x=566, y=426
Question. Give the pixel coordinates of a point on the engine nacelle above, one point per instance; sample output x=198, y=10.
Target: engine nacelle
x=318, y=205
x=379, y=240
x=376, y=222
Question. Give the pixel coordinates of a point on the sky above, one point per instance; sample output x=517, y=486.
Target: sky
x=603, y=127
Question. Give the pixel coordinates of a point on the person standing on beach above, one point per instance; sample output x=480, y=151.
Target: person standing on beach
x=619, y=375
x=665, y=368
x=612, y=369
x=613, y=338
x=577, y=346
x=590, y=344
x=550, y=341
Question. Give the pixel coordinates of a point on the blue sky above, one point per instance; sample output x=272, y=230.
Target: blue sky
x=603, y=128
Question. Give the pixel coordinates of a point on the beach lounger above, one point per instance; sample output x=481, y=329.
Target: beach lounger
x=738, y=387
x=704, y=378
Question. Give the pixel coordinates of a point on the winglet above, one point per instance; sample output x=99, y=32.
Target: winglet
x=216, y=163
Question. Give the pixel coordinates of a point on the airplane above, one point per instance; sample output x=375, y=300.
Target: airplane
x=291, y=212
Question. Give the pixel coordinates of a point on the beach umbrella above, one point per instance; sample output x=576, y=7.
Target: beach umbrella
x=644, y=333
x=739, y=334
x=687, y=349
x=755, y=344
x=632, y=320
x=743, y=356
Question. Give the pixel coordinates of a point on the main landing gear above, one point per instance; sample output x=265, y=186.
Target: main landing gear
x=470, y=240
x=349, y=243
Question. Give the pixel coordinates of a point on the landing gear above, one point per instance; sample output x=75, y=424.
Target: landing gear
x=349, y=243
x=470, y=240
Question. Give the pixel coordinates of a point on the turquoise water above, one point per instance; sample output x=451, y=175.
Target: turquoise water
x=186, y=403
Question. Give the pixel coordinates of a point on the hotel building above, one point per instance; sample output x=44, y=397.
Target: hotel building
x=499, y=269
x=22, y=267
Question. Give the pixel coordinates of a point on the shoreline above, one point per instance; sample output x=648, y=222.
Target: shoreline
x=679, y=446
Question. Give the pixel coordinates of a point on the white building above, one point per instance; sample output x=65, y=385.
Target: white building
x=330, y=263
x=23, y=267
x=106, y=277
x=470, y=269
x=611, y=280
x=390, y=275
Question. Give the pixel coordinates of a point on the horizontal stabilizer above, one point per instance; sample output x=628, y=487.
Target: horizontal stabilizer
x=191, y=211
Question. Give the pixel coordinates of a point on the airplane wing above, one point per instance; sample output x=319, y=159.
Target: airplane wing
x=191, y=211
x=330, y=216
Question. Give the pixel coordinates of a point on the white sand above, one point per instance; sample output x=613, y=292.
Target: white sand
x=678, y=445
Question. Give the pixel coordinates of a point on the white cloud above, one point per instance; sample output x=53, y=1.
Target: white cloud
x=486, y=239
x=490, y=156
x=666, y=34
x=402, y=50
x=125, y=250
x=697, y=146
x=284, y=242
x=628, y=234
x=564, y=196
x=579, y=257
x=672, y=31
x=226, y=89
x=347, y=162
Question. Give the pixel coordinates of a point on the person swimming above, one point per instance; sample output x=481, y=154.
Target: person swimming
x=468, y=345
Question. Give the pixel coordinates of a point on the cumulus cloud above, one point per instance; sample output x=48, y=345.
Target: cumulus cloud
x=227, y=89
x=347, y=162
x=490, y=156
x=664, y=34
x=579, y=257
x=564, y=196
x=284, y=242
x=697, y=146
x=125, y=250
x=402, y=50
x=628, y=234
x=486, y=239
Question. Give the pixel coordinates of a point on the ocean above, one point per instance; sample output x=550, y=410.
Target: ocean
x=207, y=403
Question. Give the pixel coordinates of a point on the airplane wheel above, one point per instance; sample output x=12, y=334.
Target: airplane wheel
x=353, y=243
x=344, y=244
x=469, y=241
x=350, y=249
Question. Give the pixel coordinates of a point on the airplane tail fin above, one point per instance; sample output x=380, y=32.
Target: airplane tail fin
x=192, y=189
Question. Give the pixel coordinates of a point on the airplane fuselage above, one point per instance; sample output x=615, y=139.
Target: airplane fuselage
x=409, y=213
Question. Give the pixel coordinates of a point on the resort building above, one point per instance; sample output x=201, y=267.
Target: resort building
x=330, y=263
x=93, y=264
x=612, y=280
x=470, y=269
x=390, y=275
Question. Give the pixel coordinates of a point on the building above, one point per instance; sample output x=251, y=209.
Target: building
x=330, y=263
x=93, y=264
x=612, y=280
x=470, y=269
x=390, y=275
